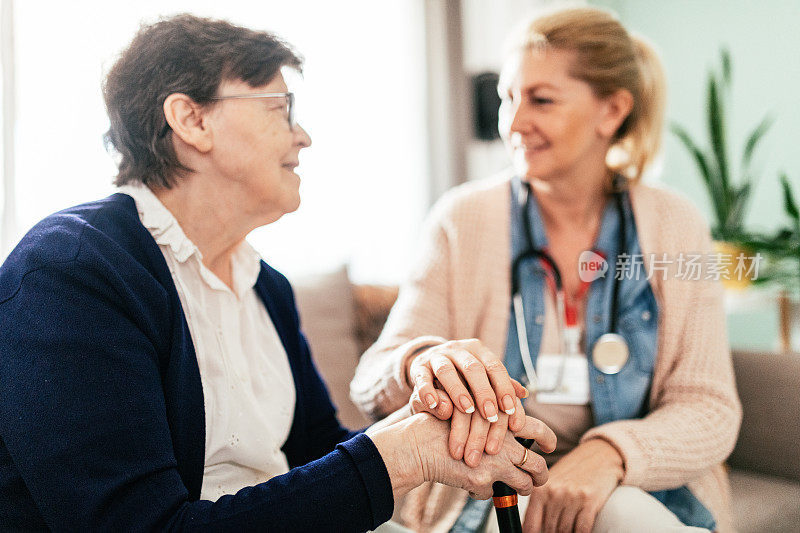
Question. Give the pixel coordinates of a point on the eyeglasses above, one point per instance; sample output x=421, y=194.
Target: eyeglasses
x=288, y=96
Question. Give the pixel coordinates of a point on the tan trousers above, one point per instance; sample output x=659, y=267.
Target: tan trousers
x=628, y=510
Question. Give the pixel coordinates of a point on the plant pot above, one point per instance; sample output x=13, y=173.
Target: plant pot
x=735, y=276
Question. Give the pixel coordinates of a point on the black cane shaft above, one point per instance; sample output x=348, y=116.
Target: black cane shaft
x=505, y=507
x=505, y=502
x=525, y=442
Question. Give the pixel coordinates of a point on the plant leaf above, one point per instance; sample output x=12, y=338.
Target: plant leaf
x=761, y=246
x=735, y=219
x=753, y=139
x=726, y=66
x=716, y=129
x=691, y=145
x=710, y=177
x=788, y=199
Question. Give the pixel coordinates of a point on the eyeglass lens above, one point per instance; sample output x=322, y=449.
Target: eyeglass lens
x=290, y=102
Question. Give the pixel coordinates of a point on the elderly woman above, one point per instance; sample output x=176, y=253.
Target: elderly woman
x=631, y=369
x=153, y=373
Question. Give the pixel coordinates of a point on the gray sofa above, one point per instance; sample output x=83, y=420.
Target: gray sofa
x=341, y=320
x=765, y=465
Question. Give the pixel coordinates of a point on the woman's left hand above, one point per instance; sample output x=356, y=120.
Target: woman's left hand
x=443, y=408
x=580, y=484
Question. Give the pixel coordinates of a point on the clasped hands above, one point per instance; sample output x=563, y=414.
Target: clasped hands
x=470, y=379
x=465, y=382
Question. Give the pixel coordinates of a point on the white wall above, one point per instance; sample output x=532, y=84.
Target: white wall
x=486, y=27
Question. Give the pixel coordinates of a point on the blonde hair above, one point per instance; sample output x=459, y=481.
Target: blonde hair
x=608, y=58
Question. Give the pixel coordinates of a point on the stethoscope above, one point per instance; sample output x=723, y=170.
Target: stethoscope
x=610, y=352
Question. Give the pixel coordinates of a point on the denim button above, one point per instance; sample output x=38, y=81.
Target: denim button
x=596, y=319
x=646, y=315
x=600, y=379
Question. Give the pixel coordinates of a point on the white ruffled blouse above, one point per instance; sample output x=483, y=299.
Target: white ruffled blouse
x=248, y=389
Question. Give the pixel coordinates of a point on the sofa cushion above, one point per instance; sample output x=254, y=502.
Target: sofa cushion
x=372, y=306
x=764, y=503
x=769, y=439
x=325, y=304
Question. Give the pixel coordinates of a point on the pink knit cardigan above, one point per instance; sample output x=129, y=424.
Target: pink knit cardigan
x=460, y=288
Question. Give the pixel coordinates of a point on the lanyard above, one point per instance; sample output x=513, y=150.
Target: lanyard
x=570, y=307
x=569, y=329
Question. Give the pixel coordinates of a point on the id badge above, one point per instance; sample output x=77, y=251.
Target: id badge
x=574, y=386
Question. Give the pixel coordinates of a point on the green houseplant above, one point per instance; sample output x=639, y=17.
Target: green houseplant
x=782, y=269
x=729, y=196
x=782, y=250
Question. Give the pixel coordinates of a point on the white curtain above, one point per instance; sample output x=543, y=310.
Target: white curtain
x=8, y=228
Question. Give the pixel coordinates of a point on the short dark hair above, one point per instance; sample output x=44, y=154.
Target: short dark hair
x=186, y=54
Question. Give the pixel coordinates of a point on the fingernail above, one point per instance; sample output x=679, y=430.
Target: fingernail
x=431, y=401
x=466, y=405
x=474, y=457
x=460, y=451
x=491, y=411
x=492, y=446
x=508, y=403
x=527, y=393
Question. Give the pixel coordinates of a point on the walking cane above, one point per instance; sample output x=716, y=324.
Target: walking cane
x=505, y=502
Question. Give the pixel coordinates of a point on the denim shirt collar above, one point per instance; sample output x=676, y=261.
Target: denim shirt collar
x=604, y=388
x=606, y=240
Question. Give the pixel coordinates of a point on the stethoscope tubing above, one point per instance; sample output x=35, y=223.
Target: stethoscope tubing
x=542, y=255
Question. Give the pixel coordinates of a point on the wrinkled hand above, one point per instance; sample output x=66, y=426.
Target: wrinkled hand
x=431, y=439
x=580, y=484
x=471, y=375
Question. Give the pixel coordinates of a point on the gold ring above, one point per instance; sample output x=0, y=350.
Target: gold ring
x=524, y=459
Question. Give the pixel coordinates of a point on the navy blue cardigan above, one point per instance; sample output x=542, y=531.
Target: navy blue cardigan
x=102, y=423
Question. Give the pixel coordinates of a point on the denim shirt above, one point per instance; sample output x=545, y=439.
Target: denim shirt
x=620, y=396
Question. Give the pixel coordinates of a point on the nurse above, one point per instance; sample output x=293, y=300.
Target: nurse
x=548, y=275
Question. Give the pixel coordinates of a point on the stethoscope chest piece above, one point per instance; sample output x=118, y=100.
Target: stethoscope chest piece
x=610, y=353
